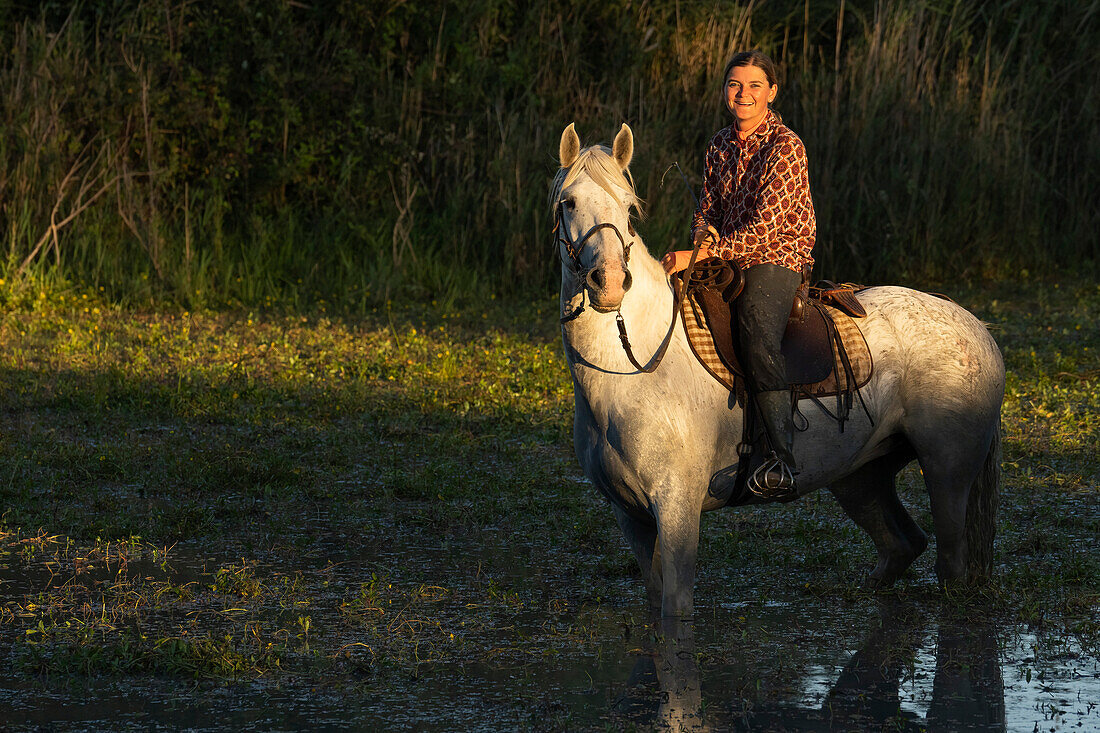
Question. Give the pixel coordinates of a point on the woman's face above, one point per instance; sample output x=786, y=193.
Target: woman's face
x=748, y=94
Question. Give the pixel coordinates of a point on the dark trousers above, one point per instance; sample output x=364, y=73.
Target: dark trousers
x=762, y=311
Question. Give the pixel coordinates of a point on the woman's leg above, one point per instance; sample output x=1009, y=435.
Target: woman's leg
x=762, y=311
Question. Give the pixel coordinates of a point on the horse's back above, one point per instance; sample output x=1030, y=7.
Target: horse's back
x=939, y=359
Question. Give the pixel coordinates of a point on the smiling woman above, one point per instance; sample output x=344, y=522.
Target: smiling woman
x=749, y=90
x=756, y=210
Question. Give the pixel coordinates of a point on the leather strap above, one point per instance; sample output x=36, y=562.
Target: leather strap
x=677, y=301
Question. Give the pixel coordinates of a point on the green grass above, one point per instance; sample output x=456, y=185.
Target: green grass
x=267, y=494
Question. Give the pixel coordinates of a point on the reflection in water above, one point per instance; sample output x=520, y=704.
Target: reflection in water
x=967, y=690
x=679, y=678
x=868, y=688
x=671, y=664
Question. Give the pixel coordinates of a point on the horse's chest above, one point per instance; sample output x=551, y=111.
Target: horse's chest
x=630, y=446
x=614, y=451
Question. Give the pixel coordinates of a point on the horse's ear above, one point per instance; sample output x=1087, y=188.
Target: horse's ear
x=569, y=147
x=623, y=148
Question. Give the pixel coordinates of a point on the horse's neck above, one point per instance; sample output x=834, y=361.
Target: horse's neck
x=649, y=301
x=646, y=310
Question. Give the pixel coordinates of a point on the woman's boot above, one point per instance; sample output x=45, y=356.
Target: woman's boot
x=774, y=479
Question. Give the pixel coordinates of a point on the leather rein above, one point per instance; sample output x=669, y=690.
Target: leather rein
x=573, y=249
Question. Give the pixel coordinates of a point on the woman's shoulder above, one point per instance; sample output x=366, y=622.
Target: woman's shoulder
x=784, y=137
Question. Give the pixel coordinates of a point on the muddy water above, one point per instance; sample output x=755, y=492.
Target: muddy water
x=792, y=662
x=955, y=679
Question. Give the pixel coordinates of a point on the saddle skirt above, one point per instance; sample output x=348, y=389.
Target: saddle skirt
x=824, y=350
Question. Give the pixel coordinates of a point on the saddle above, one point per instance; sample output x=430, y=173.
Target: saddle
x=824, y=350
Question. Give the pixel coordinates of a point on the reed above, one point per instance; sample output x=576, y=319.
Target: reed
x=230, y=153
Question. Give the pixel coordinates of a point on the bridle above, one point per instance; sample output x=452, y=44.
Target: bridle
x=573, y=249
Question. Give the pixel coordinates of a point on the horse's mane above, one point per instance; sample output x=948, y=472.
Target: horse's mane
x=597, y=162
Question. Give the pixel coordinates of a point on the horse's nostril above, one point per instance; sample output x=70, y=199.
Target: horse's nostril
x=627, y=280
x=596, y=278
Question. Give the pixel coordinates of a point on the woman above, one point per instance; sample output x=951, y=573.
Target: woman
x=756, y=210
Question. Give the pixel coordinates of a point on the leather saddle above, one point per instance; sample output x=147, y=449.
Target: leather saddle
x=809, y=340
x=824, y=351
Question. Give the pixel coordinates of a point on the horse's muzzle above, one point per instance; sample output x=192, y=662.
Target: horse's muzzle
x=607, y=285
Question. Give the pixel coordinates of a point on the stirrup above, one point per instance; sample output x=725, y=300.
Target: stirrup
x=773, y=480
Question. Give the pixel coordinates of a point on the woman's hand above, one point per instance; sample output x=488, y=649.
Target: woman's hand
x=705, y=237
x=675, y=261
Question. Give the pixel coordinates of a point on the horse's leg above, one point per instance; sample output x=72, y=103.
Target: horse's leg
x=868, y=496
x=950, y=461
x=642, y=538
x=678, y=532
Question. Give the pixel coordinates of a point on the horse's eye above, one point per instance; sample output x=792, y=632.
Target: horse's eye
x=569, y=203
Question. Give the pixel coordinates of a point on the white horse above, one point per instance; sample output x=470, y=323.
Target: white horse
x=654, y=442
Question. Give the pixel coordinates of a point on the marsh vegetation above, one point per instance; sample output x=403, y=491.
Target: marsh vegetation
x=235, y=153
x=378, y=516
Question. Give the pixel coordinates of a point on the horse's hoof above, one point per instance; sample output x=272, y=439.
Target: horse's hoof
x=875, y=582
x=950, y=574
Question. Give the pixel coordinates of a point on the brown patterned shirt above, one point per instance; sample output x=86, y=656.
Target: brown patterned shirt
x=756, y=193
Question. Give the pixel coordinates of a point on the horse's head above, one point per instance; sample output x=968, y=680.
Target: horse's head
x=592, y=196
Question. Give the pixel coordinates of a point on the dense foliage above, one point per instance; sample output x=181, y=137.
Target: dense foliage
x=236, y=151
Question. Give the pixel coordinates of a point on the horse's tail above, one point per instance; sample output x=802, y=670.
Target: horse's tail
x=981, y=513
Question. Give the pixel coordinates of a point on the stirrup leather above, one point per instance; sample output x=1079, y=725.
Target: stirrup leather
x=773, y=479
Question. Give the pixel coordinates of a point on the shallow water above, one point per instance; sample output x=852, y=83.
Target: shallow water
x=955, y=680
x=785, y=663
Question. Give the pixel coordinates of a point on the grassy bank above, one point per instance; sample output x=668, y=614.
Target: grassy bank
x=377, y=500
x=233, y=153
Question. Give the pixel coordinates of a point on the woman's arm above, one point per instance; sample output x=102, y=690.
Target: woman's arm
x=704, y=238
x=709, y=213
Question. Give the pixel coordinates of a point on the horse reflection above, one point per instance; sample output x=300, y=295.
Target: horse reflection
x=967, y=690
x=671, y=664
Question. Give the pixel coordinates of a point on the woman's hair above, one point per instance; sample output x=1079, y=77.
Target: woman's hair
x=753, y=58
